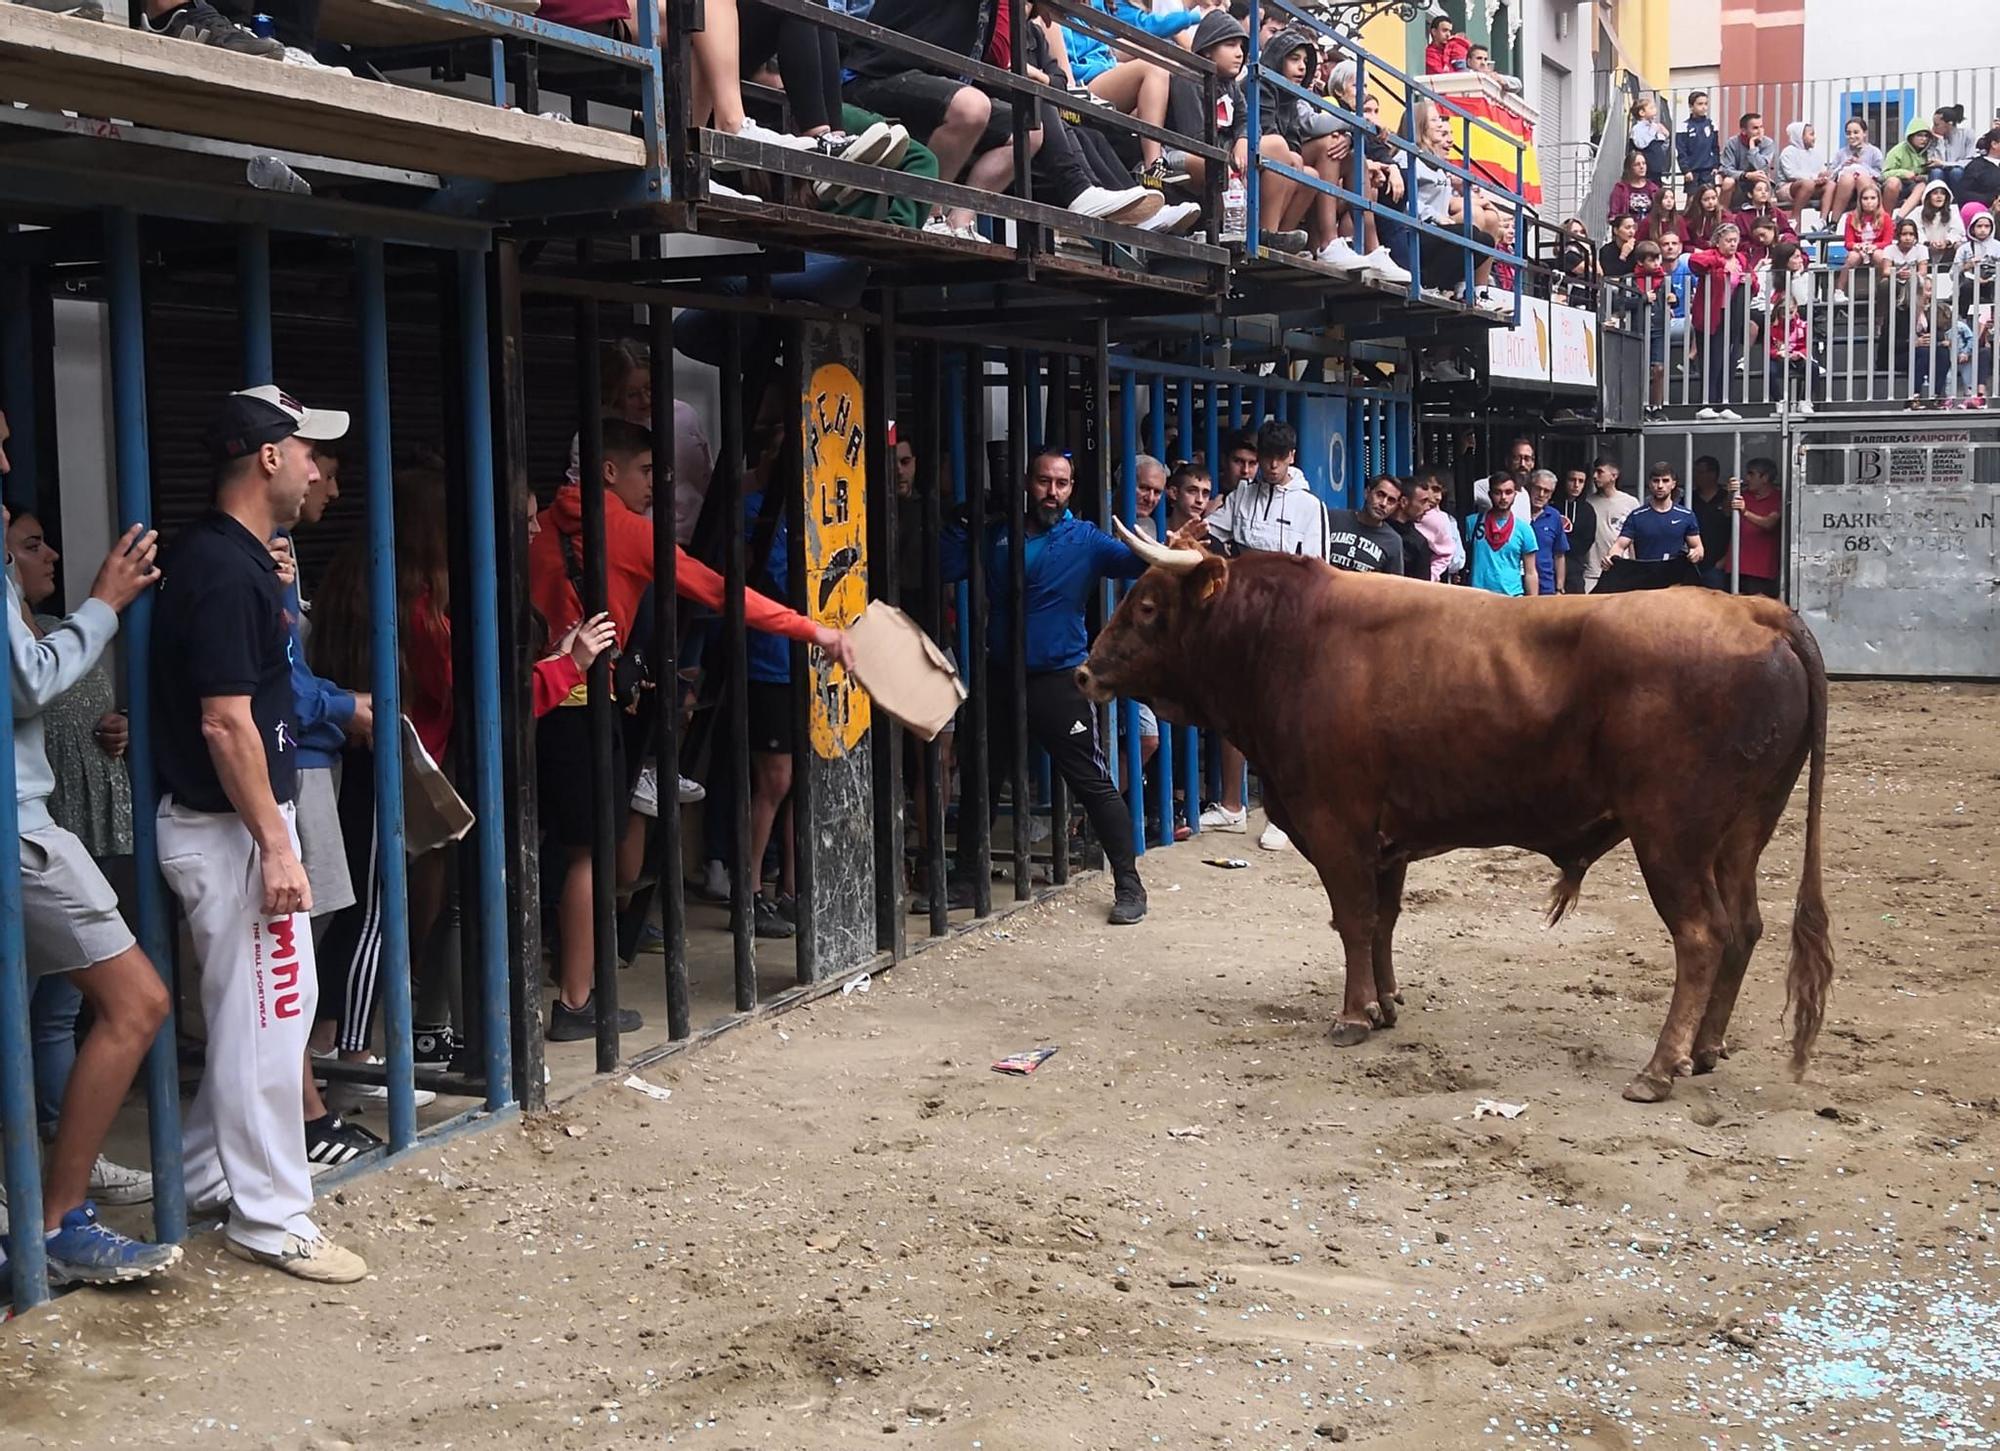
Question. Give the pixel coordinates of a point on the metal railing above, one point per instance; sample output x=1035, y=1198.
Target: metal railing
x=1403, y=227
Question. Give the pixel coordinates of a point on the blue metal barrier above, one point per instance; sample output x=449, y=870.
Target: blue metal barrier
x=28, y=1260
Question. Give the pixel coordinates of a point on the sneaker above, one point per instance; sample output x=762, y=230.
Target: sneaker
x=1804, y=405
x=115, y=1184
x=573, y=1025
x=203, y=24
x=306, y=60
x=1176, y=219
x=1221, y=818
x=714, y=883
x=333, y=1141
x=1707, y=415
x=728, y=193
x=788, y=908
x=646, y=792
x=318, y=1259
x=652, y=939
x=75, y=9
x=937, y=226
x=1274, y=838
x=767, y=920
x=1128, y=902
x=1159, y=172
x=1729, y=415
x=352, y=1096
x=751, y=130
x=1131, y=206
x=958, y=897
x=1291, y=241
x=1386, y=267
x=1340, y=255
x=82, y=1251
x=435, y=1047
x=691, y=791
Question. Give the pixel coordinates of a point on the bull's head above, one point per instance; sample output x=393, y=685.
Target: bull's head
x=1150, y=648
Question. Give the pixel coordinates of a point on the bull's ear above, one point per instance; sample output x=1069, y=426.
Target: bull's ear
x=1207, y=580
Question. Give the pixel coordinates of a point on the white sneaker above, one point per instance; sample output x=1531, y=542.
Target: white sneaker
x=1274, y=839
x=1340, y=255
x=1729, y=415
x=1385, y=266
x=646, y=792
x=319, y=1260
x=115, y=1184
x=716, y=188
x=342, y=1096
x=1708, y=415
x=1804, y=405
x=1131, y=206
x=882, y=144
x=1175, y=219
x=750, y=130
x=1221, y=818
x=1839, y=298
x=306, y=60
x=691, y=791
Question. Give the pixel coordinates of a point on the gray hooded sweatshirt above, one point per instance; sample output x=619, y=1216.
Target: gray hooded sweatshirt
x=41, y=671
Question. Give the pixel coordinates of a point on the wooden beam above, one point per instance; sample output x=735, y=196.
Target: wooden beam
x=108, y=70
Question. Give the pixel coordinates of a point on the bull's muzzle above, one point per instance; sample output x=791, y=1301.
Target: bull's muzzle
x=1092, y=689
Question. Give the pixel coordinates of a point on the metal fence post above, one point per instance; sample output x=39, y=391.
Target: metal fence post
x=29, y=1261
x=744, y=874
x=253, y=287
x=1017, y=622
x=669, y=888
x=390, y=862
x=1128, y=511
x=975, y=810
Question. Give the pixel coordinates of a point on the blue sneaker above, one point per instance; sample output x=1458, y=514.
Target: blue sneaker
x=85, y=1252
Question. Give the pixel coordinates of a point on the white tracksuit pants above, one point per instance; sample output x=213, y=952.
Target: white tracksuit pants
x=245, y=1136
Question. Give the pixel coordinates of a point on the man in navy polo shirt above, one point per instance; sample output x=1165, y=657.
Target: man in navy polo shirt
x=1662, y=529
x=1065, y=557
x=226, y=750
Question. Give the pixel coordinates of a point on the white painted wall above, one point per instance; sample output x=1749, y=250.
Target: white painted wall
x=1694, y=40
x=83, y=440
x=1861, y=38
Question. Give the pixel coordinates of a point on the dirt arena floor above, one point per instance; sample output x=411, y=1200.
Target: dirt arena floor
x=1198, y=1225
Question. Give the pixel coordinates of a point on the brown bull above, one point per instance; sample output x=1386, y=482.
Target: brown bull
x=1392, y=720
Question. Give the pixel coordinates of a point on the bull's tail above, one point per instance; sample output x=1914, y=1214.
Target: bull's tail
x=1810, y=976
x=1562, y=897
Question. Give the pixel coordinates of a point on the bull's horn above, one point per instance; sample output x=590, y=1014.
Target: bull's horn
x=1173, y=561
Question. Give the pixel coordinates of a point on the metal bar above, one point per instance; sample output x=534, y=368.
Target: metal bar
x=496, y=72
x=253, y=290
x=928, y=382
x=1253, y=110
x=743, y=873
x=1128, y=511
x=489, y=776
x=601, y=709
x=514, y=503
x=976, y=799
x=788, y=473
x=371, y=283
x=886, y=583
x=1163, y=813
x=1063, y=407
x=133, y=447
x=1017, y=610
x=669, y=870
x=23, y=1164
x=1099, y=447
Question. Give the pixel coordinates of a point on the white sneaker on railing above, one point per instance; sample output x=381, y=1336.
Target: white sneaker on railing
x=1221, y=818
x=1804, y=405
x=751, y=130
x=1340, y=255
x=1131, y=206
x=1174, y=220
x=1385, y=266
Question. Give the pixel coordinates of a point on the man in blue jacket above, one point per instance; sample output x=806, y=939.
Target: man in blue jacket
x=1065, y=557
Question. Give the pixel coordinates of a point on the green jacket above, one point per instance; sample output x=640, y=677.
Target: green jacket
x=1904, y=159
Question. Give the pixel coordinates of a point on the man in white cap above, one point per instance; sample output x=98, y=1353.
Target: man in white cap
x=226, y=751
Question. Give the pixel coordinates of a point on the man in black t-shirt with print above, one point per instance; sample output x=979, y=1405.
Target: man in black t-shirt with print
x=225, y=751
x=1363, y=540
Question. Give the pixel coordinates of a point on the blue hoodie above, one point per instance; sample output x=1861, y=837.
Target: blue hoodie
x=1697, y=145
x=324, y=709
x=1063, y=567
x=1090, y=57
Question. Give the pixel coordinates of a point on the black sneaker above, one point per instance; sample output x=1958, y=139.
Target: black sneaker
x=788, y=908
x=435, y=1048
x=333, y=1141
x=1128, y=903
x=573, y=1025
x=958, y=896
x=202, y=23
x=769, y=920
x=1159, y=173
x=1292, y=241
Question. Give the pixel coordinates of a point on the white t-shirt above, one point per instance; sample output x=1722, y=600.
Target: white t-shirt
x=1610, y=510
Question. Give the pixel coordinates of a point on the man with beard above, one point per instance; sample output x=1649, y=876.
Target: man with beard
x=1365, y=540
x=1417, y=556
x=1064, y=559
x=1580, y=524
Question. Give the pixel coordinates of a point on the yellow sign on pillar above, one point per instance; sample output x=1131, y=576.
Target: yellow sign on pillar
x=836, y=547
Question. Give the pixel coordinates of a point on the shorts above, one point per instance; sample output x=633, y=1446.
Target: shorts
x=920, y=100
x=69, y=914
x=562, y=775
x=771, y=718
x=1149, y=724
x=322, y=848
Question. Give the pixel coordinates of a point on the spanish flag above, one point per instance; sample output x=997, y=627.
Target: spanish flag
x=1492, y=157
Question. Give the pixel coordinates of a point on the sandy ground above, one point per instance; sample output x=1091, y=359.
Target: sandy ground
x=1199, y=1225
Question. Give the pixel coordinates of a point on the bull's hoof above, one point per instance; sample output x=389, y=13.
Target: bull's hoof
x=1374, y=1011
x=1706, y=1059
x=1385, y=1012
x=1646, y=1088
x=1349, y=1035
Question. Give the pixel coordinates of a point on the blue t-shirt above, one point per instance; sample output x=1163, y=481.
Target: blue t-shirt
x=1498, y=571
x=1658, y=534
x=770, y=656
x=1551, y=539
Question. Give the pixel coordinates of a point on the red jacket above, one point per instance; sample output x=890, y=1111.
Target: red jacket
x=1719, y=277
x=553, y=680
x=427, y=661
x=628, y=547
x=1438, y=59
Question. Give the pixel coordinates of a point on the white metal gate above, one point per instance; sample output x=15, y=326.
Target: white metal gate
x=1894, y=561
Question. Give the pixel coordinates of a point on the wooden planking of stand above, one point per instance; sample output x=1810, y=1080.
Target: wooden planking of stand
x=104, y=69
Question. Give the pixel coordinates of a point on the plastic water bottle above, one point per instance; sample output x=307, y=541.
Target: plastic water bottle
x=267, y=173
x=264, y=25
x=1235, y=210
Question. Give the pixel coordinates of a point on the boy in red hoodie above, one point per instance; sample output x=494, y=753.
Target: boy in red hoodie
x=1649, y=279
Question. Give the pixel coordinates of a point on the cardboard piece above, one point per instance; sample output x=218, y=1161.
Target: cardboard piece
x=434, y=814
x=904, y=671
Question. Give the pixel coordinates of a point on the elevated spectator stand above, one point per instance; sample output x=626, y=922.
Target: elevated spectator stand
x=1402, y=229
